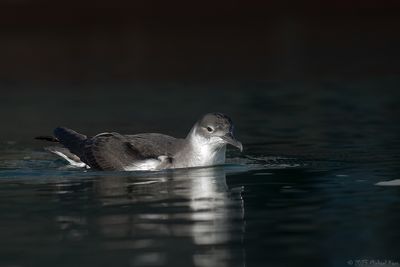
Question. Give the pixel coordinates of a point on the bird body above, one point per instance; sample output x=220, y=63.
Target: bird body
x=205, y=145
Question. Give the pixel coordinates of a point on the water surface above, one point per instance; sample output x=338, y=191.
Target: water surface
x=310, y=189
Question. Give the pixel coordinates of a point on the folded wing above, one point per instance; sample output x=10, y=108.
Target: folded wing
x=113, y=151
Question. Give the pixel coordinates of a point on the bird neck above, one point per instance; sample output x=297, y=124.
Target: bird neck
x=198, y=152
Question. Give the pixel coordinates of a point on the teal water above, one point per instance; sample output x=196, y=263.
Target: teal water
x=310, y=189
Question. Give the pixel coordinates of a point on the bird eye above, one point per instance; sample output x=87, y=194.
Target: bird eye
x=209, y=129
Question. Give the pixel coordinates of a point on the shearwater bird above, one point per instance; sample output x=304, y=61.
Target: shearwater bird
x=205, y=145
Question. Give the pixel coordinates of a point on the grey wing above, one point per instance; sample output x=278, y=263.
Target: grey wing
x=111, y=151
x=154, y=144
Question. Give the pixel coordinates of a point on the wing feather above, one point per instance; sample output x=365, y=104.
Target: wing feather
x=113, y=151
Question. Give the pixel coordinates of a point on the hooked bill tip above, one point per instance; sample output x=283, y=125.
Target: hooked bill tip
x=229, y=139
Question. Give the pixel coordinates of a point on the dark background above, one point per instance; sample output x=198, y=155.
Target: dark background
x=89, y=41
x=141, y=66
x=314, y=83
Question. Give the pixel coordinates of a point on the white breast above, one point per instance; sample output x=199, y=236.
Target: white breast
x=206, y=153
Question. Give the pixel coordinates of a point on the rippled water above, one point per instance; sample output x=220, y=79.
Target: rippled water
x=317, y=184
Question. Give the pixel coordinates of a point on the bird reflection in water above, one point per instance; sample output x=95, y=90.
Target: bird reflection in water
x=193, y=209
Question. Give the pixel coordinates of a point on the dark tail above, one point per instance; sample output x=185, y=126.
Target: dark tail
x=47, y=138
x=70, y=139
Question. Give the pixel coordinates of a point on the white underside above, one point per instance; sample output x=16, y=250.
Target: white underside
x=74, y=163
x=144, y=165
